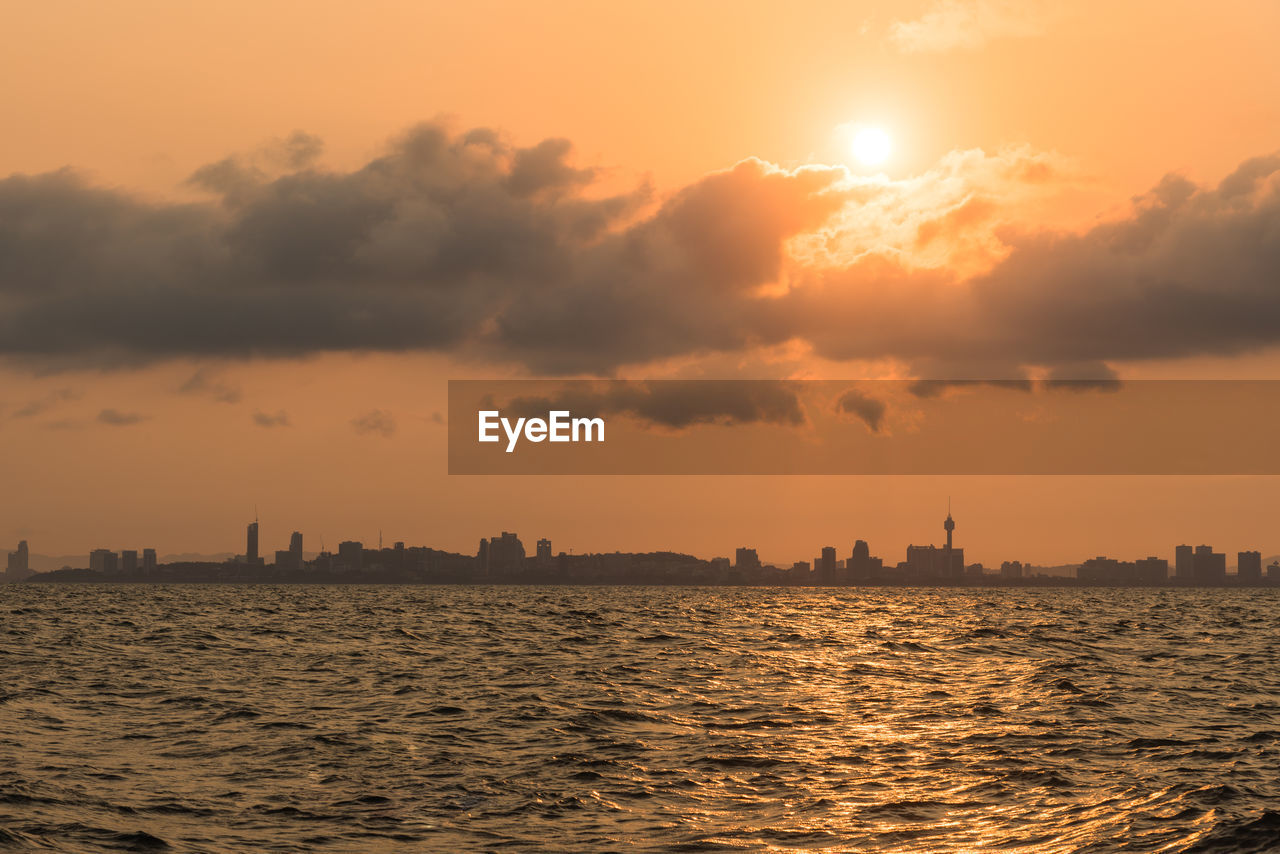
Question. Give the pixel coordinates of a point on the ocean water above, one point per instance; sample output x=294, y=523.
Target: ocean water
x=352, y=719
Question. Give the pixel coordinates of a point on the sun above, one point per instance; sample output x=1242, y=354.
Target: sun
x=872, y=146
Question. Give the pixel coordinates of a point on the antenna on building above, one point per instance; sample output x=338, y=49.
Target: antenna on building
x=379, y=539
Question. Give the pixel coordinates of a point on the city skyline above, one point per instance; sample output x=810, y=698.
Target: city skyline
x=924, y=563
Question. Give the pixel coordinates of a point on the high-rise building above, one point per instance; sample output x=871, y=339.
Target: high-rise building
x=1249, y=567
x=1184, y=564
x=544, y=551
x=1210, y=567
x=746, y=558
x=129, y=561
x=295, y=547
x=351, y=554
x=18, y=565
x=251, y=544
x=104, y=561
x=859, y=563
x=827, y=566
x=148, y=561
x=506, y=552
x=1151, y=570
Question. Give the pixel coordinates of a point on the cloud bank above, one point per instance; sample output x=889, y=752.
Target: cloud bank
x=463, y=244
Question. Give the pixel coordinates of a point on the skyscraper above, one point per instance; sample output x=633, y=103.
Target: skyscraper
x=148, y=561
x=295, y=549
x=1210, y=567
x=104, y=561
x=827, y=566
x=1249, y=567
x=1184, y=563
x=251, y=544
x=18, y=566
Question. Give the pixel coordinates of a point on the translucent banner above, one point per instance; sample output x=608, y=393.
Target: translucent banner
x=863, y=427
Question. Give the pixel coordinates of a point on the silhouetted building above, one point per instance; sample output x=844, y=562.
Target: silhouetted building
x=930, y=563
x=291, y=559
x=104, y=561
x=1210, y=566
x=1151, y=570
x=544, y=552
x=1104, y=570
x=1273, y=571
x=1249, y=567
x=148, y=561
x=827, y=566
x=859, y=562
x=1011, y=570
x=351, y=554
x=129, y=562
x=746, y=559
x=251, y=544
x=506, y=553
x=18, y=566
x=1184, y=563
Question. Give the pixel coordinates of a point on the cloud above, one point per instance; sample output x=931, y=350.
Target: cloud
x=263, y=419
x=464, y=244
x=44, y=404
x=202, y=382
x=869, y=410
x=376, y=422
x=115, y=418
x=970, y=24
x=677, y=404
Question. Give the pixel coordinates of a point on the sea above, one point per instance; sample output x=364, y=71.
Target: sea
x=205, y=718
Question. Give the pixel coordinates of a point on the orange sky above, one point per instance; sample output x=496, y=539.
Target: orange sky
x=137, y=96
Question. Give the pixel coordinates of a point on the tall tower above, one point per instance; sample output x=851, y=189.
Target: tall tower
x=251, y=546
x=949, y=525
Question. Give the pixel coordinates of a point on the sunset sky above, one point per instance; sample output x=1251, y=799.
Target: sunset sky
x=243, y=248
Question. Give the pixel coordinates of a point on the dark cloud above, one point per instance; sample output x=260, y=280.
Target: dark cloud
x=115, y=418
x=203, y=382
x=279, y=419
x=44, y=404
x=1091, y=376
x=867, y=409
x=676, y=404
x=1192, y=271
x=376, y=422
x=466, y=244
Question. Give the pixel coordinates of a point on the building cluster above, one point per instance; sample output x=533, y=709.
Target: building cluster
x=107, y=562
x=502, y=559
x=18, y=566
